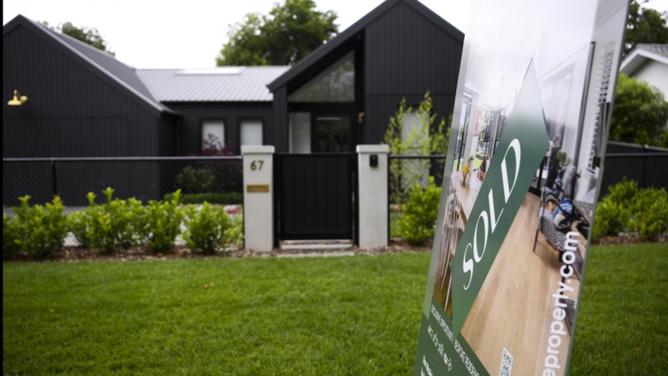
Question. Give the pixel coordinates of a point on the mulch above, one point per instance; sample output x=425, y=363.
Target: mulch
x=74, y=254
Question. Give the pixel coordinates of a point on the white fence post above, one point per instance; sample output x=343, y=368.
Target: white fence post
x=372, y=168
x=258, y=188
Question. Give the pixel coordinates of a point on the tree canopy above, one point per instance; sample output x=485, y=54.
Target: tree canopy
x=87, y=35
x=90, y=36
x=288, y=33
x=644, y=25
x=640, y=113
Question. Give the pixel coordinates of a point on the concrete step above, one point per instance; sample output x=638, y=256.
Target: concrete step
x=315, y=245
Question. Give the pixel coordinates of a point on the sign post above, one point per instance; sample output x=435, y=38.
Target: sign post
x=533, y=101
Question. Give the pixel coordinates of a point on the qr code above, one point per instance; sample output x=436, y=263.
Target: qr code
x=506, y=363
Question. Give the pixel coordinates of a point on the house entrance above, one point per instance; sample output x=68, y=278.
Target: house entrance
x=315, y=196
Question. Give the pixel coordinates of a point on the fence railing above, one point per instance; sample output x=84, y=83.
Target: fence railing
x=219, y=178
x=647, y=168
x=214, y=178
x=404, y=172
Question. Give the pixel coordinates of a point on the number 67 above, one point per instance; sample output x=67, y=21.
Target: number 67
x=256, y=165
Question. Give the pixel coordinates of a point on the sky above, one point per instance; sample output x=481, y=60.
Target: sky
x=189, y=34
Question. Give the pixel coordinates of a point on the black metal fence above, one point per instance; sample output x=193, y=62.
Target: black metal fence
x=220, y=178
x=408, y=170
x=647, y=165
x=405, y=171
x=216, y=178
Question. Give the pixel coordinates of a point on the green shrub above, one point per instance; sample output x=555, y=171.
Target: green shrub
x=627, y=208
x=196, y=180
x=10, y=236
x=163, y=223
x=40, y=229
x=649, y=213
x=111, y=225
x=227, y=198
x=235, y=233
x=418, y=217
x=205, y=228
x=611, y=218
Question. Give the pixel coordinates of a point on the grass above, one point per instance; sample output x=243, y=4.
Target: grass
x=342, y=316
x=622, y=327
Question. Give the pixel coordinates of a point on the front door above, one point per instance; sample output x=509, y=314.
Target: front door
x=332, y=134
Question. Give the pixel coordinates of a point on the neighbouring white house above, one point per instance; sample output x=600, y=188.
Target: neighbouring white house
x=649, y=63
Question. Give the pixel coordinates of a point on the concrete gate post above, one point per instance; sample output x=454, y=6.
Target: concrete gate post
x=258, y=170
x=372, y=169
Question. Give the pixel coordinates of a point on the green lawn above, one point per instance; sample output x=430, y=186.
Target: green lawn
x=339, y=316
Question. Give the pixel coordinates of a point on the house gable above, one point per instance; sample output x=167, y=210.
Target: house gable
x=99, y=63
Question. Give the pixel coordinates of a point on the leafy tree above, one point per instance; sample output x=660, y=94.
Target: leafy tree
x=284, y=36
x=640, y=113
x=644, y=25
x=87, y=35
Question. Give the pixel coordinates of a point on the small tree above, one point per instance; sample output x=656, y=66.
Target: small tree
x=640, y=113
x=89, y=35
x=288, y=33
x=644, y=25
x=429, y=137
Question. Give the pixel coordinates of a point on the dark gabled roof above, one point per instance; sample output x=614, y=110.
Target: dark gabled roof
x=357, y=27
x=222, y=84
x=110, y=68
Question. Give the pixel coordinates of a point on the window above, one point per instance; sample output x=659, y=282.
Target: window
x=332, y=134
x=334, y=84
x=251, y=132
x=300, y=132
x=413, y=132
x=213, y=135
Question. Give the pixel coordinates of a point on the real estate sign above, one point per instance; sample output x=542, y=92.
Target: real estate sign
x=524, y=165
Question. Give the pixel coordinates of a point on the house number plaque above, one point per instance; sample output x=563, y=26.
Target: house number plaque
x=257, y=188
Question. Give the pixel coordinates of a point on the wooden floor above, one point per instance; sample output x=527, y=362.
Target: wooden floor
x=514, y=307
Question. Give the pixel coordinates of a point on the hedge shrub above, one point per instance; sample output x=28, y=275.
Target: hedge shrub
x=39, y=230
x=205, y=228
x=627, y=208
x=235, y=233
x=227, y=198
x=10, y=232
x=196, y=180
x=418, y=217
x=111, y=225
x=163, y=223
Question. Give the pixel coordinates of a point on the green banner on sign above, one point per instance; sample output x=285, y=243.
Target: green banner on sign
x=520, y=152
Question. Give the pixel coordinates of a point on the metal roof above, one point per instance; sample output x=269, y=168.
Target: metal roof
x=223, y=84
x=661, y=49
x=104, y=62
x=153, y=86
x=642, y=53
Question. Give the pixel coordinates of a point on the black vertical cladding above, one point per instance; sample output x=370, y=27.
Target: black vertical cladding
x=402, y=50
x=406, y=55
x=232, y=113
x=73, y=110
x=280, y=130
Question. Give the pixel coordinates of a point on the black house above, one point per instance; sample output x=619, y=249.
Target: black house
x=83, y=102
x=344, y=93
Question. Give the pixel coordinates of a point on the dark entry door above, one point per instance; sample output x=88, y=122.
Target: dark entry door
x=332, y=134
x=315, y=196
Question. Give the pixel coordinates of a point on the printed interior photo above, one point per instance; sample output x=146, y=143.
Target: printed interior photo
x=513, y=312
